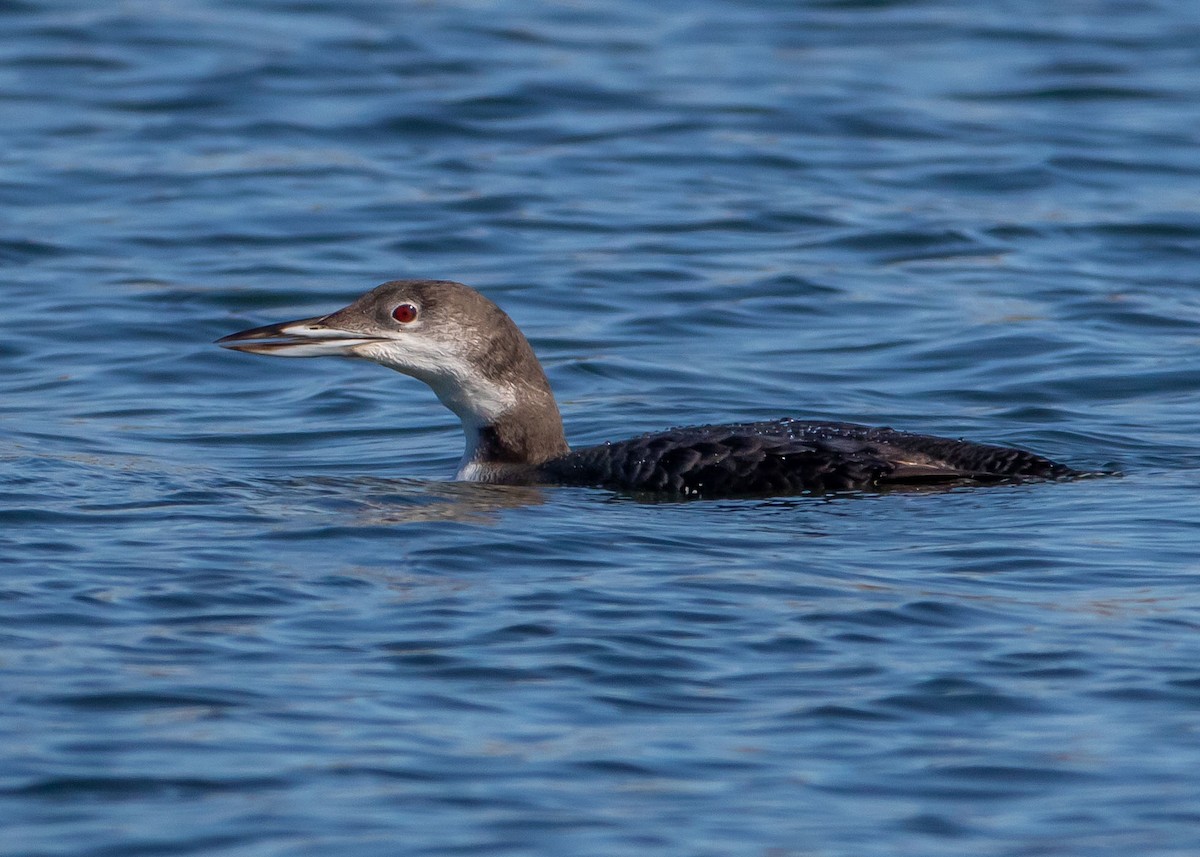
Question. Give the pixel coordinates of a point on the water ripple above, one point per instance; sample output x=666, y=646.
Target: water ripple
x=243, y=611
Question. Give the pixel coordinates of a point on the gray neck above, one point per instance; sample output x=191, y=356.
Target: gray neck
x=478, y=363
x=508, y=447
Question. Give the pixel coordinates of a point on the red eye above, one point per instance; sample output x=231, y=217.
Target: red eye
x=405, y=313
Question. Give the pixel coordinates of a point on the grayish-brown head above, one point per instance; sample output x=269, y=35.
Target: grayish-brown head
x=459, y=343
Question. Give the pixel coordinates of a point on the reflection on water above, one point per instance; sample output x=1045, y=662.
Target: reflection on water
x=384, y=502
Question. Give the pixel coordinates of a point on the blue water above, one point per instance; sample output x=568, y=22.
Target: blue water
x=244, y=613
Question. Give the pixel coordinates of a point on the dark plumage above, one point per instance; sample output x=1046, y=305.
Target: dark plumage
x=789, y=456
x=481, y=366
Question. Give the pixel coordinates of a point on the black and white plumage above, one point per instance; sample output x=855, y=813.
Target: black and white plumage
x=481, y=366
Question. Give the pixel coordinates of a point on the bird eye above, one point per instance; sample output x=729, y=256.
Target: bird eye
x=405, y=313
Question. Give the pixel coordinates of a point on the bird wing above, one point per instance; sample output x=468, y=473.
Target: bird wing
x=787, y=456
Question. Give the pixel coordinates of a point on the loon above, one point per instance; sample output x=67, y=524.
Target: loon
x=483, y=369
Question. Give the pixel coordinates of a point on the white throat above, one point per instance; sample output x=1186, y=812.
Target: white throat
x=461, y=387
x=476, y=405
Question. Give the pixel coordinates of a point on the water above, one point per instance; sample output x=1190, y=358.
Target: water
x=243, y=612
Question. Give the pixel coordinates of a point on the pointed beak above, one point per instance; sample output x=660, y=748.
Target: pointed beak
x=306, y=337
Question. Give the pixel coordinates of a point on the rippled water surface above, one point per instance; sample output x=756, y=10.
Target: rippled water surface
x=244, y=612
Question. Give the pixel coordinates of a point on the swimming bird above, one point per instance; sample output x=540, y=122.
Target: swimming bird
x=483, y=369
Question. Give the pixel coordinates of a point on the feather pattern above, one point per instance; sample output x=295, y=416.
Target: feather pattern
x=482, y=367
x=788, y=456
